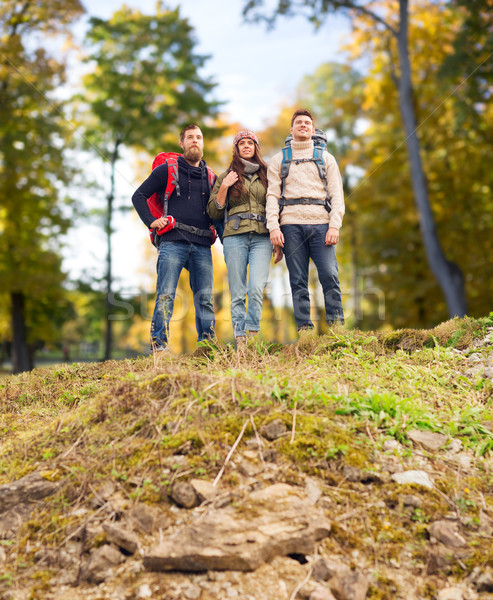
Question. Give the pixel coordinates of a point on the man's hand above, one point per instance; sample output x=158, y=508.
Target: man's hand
x=277, y=253
x=332, y=236
x=277, y=238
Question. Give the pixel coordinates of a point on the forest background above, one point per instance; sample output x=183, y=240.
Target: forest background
x=407, y=109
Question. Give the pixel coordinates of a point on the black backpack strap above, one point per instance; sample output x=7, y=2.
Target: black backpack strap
x=195, y=230
x=239, y=216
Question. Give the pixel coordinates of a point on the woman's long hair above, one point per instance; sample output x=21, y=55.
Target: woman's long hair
x=237, y=165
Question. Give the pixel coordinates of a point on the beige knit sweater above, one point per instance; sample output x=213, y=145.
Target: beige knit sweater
x=304, y=181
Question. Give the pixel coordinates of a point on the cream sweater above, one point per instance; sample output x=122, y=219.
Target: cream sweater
x=303, y=181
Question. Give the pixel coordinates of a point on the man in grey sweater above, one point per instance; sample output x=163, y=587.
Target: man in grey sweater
x=306, y=227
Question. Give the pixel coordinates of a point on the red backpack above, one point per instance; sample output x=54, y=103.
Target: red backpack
x=158, y=202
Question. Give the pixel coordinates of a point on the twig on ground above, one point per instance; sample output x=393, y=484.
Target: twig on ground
x=301, y=584
x=230, y=453
x=257, y=437
x=293, y=428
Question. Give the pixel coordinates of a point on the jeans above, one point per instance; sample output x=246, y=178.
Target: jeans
x=172, y=258
x=242, y=250
x=302, y=242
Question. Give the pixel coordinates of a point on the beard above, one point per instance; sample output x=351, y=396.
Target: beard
x=193, y=154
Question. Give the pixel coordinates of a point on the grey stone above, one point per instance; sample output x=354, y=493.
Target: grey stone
x=354, y=474
x=249, y=469
x=100, y=563
x=352, y=585
x=324, y=569
x=447, y=532
x=416, y=477
x=29, y=489
x=204, y=490
x=184, y=495
x=488, y=373
x=273, y=430
x=280, y=523
x=148, y=518
x=451, y=593
x=121, y=537
x=428, y=439
x=390, y=445
x=412, y=501
x=143, y=591
x=321, y=593
x=312, y=491
x=484, y=582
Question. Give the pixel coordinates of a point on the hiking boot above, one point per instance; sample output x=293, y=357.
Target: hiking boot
x=157, y=350
x=305, y=331
x=241, y=343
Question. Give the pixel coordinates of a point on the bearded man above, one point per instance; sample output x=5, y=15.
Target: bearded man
x=185, y=245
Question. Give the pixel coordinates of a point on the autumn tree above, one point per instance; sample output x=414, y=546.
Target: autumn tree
x=144, y=86
x=390, y=24
x=33, y=168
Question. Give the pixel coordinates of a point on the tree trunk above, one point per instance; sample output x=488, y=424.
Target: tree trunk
x=448, y=274
x=21, y=360
x=108, y=344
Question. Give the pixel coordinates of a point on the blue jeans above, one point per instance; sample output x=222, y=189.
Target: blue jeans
x=242, y=250
x=172, y=258
x=302, y=242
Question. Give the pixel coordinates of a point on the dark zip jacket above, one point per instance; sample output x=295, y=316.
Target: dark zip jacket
x=188, y=208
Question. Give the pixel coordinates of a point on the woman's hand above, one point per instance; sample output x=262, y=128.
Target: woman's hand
x=230, y=179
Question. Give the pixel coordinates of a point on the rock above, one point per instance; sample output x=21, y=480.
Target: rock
x=192, y=593
x=148, y=518
x=447, y=532
x=484, y=582
x=273, y=430
x=488, y=373
x=321, y=593
x=101, y=562
x=281, y=523
x=352, y=585
x=312, y=491
x=249, y=469
x=452, y=593
x=121, y=537
x=11, y=520
x=454, y=446
x=354, y=474
x=143, y=591
x=485, y=523
x=184, y=495
x=440, y=560
x=416, y=477
x=412, y=501
x=29, y=489
x=464, y=460
x=428, y=439
x=324, y=569
x=390, y=445
x=204, y=490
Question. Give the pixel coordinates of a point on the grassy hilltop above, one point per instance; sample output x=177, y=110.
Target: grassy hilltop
x=349, y=408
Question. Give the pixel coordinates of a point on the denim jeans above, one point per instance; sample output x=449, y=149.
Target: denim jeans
x=172, y=258
x=302, y=242
x=242, y=250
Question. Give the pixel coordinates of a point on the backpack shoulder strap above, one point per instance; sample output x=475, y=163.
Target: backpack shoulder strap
x=211, y=177
x=172, y=182
x=287, y=157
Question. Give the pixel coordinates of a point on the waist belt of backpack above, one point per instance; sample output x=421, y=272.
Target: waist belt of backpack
x=239, y=216
x=195, y=230
x=293, y=201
